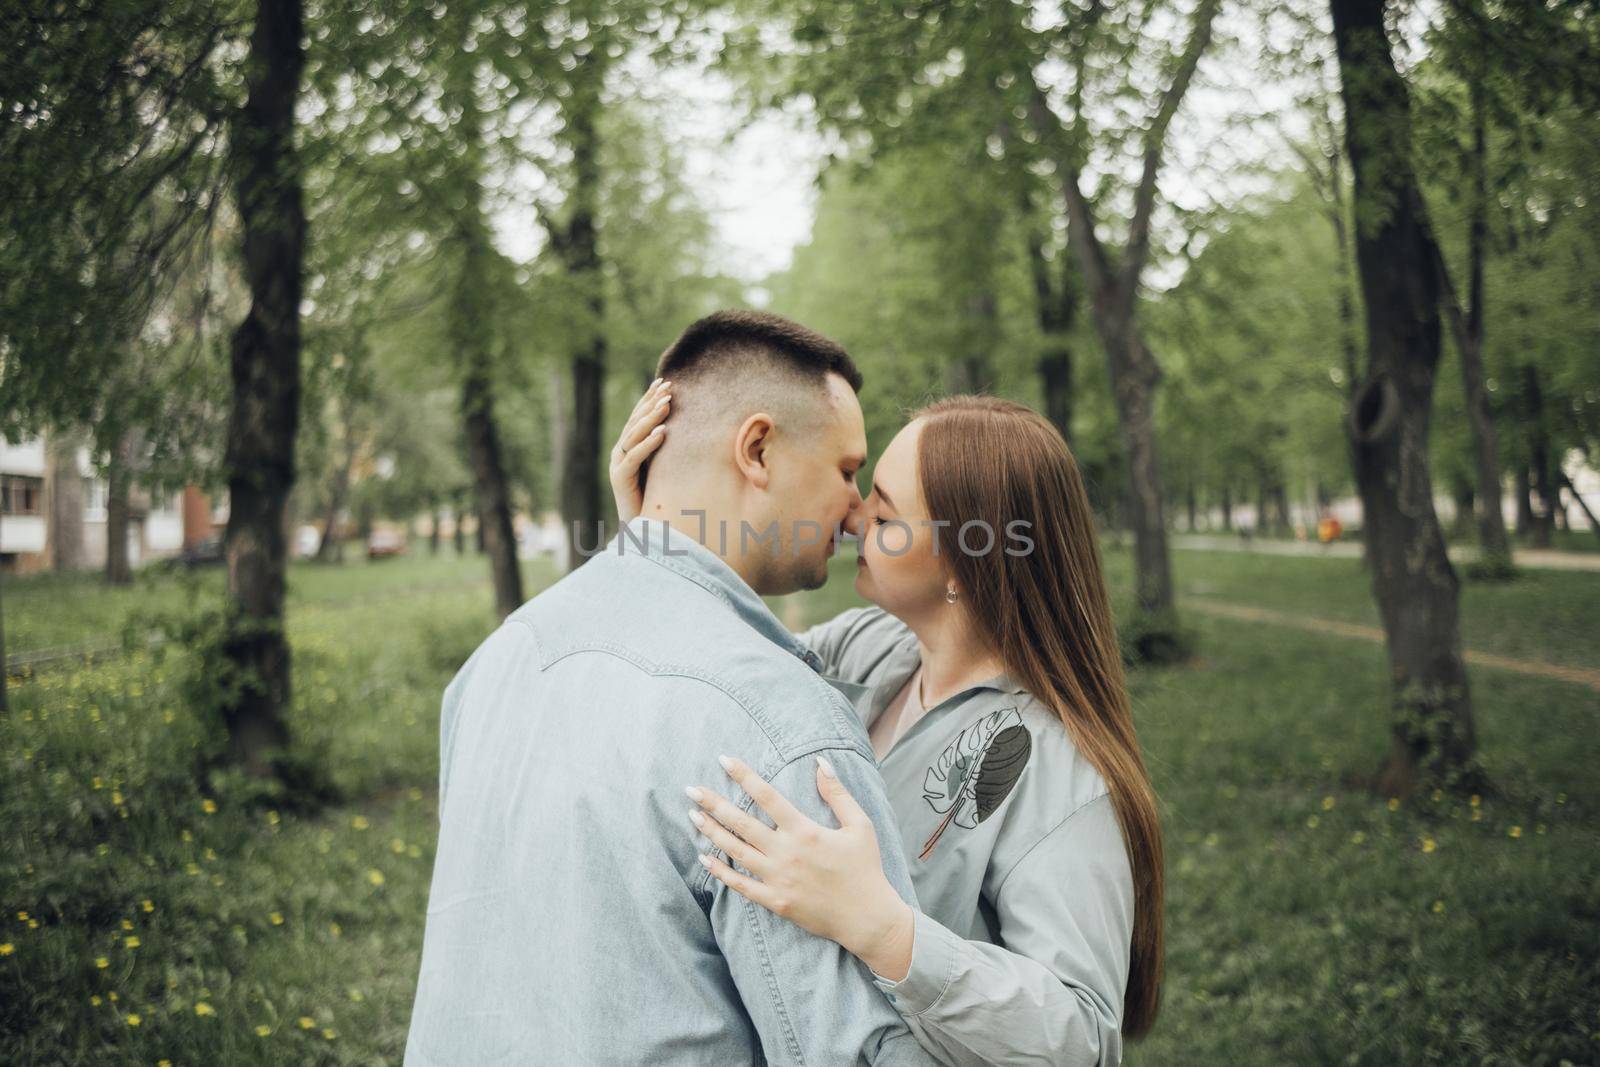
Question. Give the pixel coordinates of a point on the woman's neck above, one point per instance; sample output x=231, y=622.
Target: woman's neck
x=953, y=657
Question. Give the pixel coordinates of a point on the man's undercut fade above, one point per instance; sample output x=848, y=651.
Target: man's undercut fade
x=730, y=345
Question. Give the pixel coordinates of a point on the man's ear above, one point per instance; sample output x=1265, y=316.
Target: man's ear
x=750, y=446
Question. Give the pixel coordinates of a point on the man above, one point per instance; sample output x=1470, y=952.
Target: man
x=570, y=921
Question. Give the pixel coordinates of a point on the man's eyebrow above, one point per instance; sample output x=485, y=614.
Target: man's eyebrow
x=879, y=490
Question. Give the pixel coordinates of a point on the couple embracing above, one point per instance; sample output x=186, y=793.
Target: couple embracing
x=674, y=832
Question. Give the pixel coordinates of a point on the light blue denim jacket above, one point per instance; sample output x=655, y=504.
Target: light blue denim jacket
x=569, y=921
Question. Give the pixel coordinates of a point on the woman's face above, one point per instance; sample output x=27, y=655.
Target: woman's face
x=897, y=567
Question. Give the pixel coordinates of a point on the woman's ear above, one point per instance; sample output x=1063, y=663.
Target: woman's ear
x=750, y=446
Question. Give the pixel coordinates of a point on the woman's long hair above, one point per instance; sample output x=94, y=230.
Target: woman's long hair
x=982, y=459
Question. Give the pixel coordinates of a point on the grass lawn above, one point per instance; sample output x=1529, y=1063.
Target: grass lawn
x=153, y=913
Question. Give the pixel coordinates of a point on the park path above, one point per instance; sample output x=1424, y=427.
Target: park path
x=1535, y=558
x=1249, y=613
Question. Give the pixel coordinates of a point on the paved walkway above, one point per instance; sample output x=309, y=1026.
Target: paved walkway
x=1249, y=613
x=1534, y=558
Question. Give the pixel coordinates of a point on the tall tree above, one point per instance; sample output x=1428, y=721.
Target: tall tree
x=1415, y=586
x=266, y=385
x=1113, y=279
x=873, y=69
x=471, y=323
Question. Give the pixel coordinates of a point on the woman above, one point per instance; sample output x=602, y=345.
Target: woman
x=988, y=677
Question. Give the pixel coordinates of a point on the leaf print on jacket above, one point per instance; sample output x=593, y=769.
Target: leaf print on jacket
x=976, y=772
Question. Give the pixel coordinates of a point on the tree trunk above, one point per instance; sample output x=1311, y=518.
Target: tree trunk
x=1468, y=327
x=1055, y=375
x=1190, y=505
x=1134, y=376
x=1415, y=585
x=433, y=524
x=117, y=492
x=580, y=473
x=5, y=673
x=1538, y=457
x=1594, y=523
x=1227, y=508
x=266, y=387
x=459, y=533
x=1523, y=489
x=332, y=547
x=66, y=505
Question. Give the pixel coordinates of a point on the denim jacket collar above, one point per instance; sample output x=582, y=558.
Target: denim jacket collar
x=680, y=553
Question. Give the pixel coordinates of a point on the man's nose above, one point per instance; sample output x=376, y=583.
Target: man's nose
x=852, y=518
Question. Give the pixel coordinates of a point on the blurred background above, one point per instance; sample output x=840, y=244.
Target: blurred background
x=317, y=322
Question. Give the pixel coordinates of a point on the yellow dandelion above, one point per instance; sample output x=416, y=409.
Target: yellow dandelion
x=415, y=793
x=131, y=942
x=357, y=996
x=272, y=818
x=111, y=997
x=397, y=846
x=263, y=1030
x=163, y=1063
x=307, y=1022
x=1357, y=837
x=188, y=835
x=210, y=855
x=116, y=796
x=134, y=1020
x=7, y=948
x=1394, y=803
x=22, y=916
x=33, y=924
x=102, y=849
x=208, y=806
x=375, y=876
x=1477, y=814
x=203, y=1008
x=1327, y=803
x=276, y=918
x=1515, y=831
x=95, y=1000
x=95, y=782
x=167, y=716
x=1539, y=829
x=1211, y=840
x=191, y=868
x=1438, y=907
x=1428, y=844
x=1312, y=822
x=335, y=929
x=147, y=905
x=101, y=962
x=126, y=925
x=1476, y=800
x=1561, y=798
x=330, y=1033
x=414, y=851
x=1438, y=794
x=360, y=822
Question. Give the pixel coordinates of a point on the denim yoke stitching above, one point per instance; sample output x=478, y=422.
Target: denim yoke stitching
x=700, y=887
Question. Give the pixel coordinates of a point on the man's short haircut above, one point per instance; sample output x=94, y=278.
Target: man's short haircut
x=734, y=343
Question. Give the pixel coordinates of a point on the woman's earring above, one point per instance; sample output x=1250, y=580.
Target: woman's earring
x=950, y=596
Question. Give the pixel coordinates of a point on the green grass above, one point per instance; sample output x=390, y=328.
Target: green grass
x=1307, y=923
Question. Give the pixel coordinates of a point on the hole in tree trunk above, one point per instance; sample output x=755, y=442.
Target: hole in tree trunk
x=1376, y=409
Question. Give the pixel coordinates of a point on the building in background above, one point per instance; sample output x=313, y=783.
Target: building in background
x=53, y=512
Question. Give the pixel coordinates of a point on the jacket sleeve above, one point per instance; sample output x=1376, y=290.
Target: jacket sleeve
x=830, y=639
x=1051, y=991
x=810, y=1001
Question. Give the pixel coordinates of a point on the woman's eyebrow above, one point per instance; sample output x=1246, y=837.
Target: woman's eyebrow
x=876, y=488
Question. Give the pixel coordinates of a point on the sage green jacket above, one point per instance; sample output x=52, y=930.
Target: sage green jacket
x=1026, y=893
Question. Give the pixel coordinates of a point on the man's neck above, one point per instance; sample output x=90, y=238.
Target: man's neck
x=712, y=527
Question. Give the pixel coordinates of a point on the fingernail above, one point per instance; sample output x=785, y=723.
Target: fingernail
x=827, y=768
x=696, y=818
x=655, y=383
x=705, y=860
x=727, y=764
x=659, y=430
x=694, y=793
